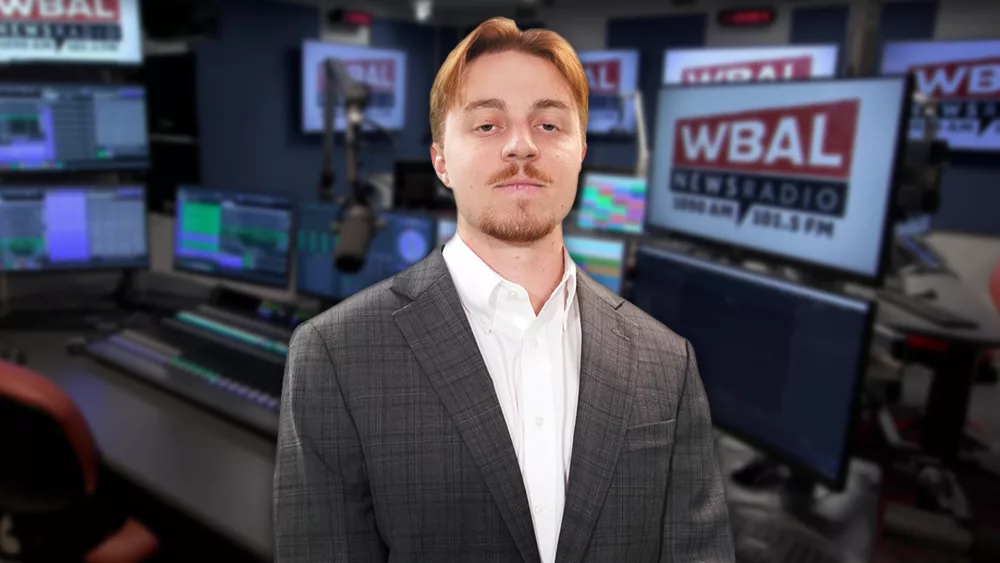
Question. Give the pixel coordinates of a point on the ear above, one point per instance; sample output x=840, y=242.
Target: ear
x=437, y=160
x=583, y=153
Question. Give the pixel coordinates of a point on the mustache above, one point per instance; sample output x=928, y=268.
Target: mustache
x=512, y=170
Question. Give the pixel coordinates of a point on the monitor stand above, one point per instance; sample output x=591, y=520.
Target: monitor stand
x=795, y=492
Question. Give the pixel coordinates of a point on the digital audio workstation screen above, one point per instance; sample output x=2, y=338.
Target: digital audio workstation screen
x=612, y=203
x=602, y=259
x=244, y=237
x=401, y=241
x=780, y=363
x=73, y=228
x=72, y=127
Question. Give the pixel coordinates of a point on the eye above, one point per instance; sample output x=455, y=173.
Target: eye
x=486, y=127
x=549, y=127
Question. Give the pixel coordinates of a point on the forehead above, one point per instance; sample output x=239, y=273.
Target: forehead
x=513, y=76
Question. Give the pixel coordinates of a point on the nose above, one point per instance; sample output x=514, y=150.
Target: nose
x=520, y=146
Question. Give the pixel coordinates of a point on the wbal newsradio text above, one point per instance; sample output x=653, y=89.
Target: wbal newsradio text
x=67, y=25
x=786, y=169
x=966, y=95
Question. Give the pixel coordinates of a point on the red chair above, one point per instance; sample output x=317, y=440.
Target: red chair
x=54, y=503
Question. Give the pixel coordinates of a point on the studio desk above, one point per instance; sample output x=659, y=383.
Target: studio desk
x=219, y=473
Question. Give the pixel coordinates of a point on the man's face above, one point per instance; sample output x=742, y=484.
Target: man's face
x=512, y=147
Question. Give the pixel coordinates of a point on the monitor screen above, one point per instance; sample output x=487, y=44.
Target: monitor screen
x=382, y=70
x=73, y=228
x=70, y=31
x=614, y=203
x=69, y=127
x=402, y=240
x=244, y=237
x=961, y=80
x=603, y=259
x=611, y=75
x=749, y=64
x=797, y=170
x=781, y=363
x=446, y=230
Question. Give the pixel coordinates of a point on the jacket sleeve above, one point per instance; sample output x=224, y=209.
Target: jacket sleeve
x=696, y=523
x=323, y=507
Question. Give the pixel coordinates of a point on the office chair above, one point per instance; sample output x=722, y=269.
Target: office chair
x=54, y=503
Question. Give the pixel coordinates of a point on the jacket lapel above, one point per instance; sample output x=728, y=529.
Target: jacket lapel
x=607, y=368
x=437, y=330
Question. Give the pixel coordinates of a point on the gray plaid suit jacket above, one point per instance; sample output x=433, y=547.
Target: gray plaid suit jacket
x=393, y=447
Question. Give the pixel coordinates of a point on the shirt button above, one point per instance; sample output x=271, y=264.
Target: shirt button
x=483, y=320
x=539, y=421
x=539, y=509
x=513, y=294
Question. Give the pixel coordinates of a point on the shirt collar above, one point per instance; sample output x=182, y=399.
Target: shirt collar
x=479, y=285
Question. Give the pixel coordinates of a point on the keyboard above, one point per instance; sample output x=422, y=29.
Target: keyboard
x=236, y=376
x=764, y=538
x=926, y=310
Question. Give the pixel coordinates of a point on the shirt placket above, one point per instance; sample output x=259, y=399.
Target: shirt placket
x=538, y=429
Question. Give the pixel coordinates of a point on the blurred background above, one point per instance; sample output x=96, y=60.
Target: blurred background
x=805, y=189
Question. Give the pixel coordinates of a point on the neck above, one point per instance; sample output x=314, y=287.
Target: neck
x=537, y=267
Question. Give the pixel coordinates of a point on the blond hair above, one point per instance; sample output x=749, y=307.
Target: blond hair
x=498, y=35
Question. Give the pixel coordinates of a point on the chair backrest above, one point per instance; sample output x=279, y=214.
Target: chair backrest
x=995, y=286
x=49, y=468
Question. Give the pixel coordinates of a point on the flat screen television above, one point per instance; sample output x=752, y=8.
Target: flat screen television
x=961, y=79
x=382, y=70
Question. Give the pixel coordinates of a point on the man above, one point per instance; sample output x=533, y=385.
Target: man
x=493, y=403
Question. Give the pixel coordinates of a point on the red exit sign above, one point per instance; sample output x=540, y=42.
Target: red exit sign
x=747, y=17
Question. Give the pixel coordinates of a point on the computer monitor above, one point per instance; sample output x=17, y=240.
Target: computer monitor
x=959, y=79
x=781, y=364
x=612, y=202
x=73, y=228
x=402, y=240
x=239, y=236
x=612, y=75
x=66, y=127
x=382, y=70
x=446, y=229
x=602, y=258
x=749, y=64
x=801, y=171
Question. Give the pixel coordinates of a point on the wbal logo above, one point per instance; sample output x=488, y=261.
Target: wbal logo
x=966, y=93
x=792, y=158
x=378, y=74
x=786, y=68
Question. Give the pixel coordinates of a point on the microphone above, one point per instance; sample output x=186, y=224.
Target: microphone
x=358, y=220
x=357, y=225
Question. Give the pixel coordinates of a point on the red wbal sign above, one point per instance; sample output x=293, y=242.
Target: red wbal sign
x=604, y=76
x=378, y=74
x=750, y=71
x=796, y=157
x=60, y=10
x=966, y=92
x=88, y=20
x=963, y=80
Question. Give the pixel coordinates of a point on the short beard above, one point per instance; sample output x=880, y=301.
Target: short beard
x=520, y=227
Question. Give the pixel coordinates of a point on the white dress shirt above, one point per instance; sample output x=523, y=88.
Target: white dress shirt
x=534, y=362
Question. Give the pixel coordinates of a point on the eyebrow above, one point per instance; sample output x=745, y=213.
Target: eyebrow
x=498, y=104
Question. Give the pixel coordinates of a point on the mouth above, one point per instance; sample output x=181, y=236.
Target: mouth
x=520, y=185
